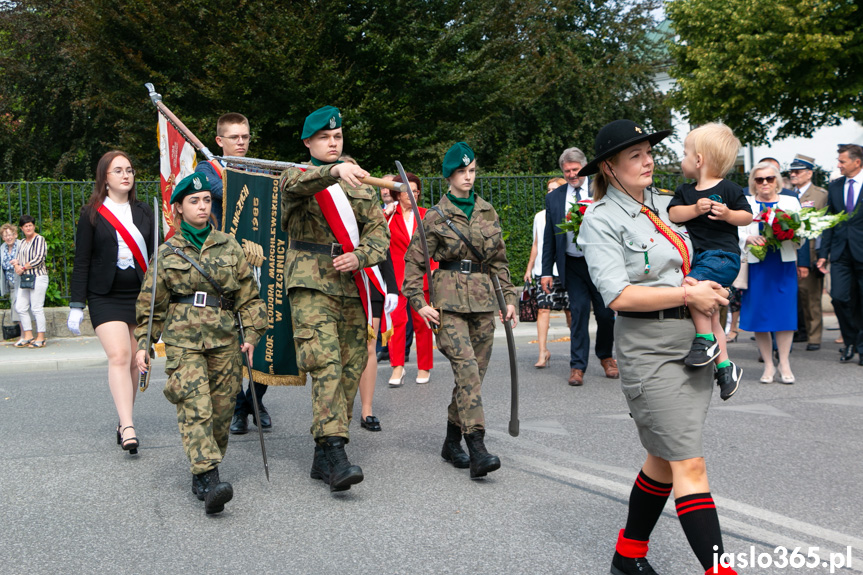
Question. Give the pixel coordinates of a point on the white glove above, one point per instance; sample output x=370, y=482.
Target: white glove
x=391, y=301
x=74, y=321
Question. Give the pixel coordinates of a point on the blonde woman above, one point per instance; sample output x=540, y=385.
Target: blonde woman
x=770, y=303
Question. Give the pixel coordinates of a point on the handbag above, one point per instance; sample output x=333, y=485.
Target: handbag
x=10, y=331
x=527, y=306
x=28, y=281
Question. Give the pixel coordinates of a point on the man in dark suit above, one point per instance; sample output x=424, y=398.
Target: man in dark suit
x=559, y=248
x=843, y=247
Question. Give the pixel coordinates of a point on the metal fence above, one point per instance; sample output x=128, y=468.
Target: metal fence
x=56, y=206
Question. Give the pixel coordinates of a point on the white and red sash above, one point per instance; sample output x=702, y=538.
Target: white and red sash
x=337, y=210
x=133, y=237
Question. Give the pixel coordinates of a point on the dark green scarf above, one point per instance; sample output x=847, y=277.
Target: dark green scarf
x=317, y=162
x=464, y=204
x=195, y=236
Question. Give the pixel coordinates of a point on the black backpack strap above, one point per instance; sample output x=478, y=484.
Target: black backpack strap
x=206, y=276
x=461, y=236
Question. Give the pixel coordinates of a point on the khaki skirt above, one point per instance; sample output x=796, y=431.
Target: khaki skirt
x=667, y=400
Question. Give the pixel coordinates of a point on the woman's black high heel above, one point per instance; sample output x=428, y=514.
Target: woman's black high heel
x=119, y=436
x=130, y=444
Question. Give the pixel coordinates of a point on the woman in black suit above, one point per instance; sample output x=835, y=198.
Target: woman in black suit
x=112, y=248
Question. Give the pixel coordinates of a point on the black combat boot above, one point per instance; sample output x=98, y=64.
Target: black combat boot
x=342, y=474
x=321, y=469
x=452, y=451
x=211, y=491
x=481, y=461
x=320, y=466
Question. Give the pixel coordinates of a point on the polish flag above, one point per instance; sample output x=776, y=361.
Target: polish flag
x=176, y=161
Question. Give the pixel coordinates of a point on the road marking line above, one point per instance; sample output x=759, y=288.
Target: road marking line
x=724, y=503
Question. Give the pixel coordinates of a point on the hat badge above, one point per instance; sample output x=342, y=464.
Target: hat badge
x=637, y=129
x=465, y=159
x=197, y=183
x=332, y=122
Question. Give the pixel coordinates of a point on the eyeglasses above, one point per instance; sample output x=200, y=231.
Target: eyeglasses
x=121, y=171
x=238, y=138
x=768, y=179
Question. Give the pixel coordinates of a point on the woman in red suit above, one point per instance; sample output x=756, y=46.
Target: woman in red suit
x=401, y=219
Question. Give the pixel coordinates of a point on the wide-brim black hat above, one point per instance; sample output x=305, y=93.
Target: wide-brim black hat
x=616, y=136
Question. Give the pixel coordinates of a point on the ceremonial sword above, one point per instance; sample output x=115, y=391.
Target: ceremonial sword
x=187, y=134
x=144, y=379
x=248, y=357
x=416, y=210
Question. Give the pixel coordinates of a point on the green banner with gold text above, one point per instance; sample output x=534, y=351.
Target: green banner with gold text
x=252, y=213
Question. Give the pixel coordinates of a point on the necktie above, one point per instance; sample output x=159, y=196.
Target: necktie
x=672, y=237
x=849, y=201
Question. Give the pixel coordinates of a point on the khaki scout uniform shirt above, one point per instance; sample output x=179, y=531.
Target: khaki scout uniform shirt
x=455, y=291
x=303, y=220
x=186, y=326
x=619, y=243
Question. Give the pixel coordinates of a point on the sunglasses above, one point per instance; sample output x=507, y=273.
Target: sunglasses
x=768, y=179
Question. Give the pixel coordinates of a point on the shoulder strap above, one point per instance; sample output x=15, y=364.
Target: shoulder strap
x=207, y=276
x=461, y=236
x=217, y=167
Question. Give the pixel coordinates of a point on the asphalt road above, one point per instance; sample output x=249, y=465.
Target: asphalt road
x=785, y=464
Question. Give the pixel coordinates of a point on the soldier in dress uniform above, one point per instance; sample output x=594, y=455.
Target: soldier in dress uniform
x=198, y=326
x=810, y=280
x=465, y=299
x=335, y=229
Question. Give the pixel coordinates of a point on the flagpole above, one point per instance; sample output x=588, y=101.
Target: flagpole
x=187, y=134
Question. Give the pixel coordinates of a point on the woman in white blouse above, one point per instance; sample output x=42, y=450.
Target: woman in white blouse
x=113, y=244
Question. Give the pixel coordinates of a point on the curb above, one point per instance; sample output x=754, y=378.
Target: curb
x=62, y=364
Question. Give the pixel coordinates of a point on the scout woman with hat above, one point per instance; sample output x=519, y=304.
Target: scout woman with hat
x=202, y=283
x=465, y=301
x=638, y=258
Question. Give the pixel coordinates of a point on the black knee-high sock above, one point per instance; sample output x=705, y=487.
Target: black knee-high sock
x=646, y=503
x=697, y=514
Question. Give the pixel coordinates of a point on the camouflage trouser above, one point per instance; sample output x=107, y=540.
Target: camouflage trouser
x=466, y=339
x=203, y=384
x=330, y=335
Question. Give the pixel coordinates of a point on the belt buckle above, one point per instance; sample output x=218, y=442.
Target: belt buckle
x=200, y=299
x=465, y=266
x=336, y=250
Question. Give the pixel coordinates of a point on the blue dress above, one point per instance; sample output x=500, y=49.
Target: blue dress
x=770, y=303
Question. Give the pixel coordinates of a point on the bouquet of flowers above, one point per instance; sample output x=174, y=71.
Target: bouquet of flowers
x=813, y=221
x=779, y=225
x=574, y=217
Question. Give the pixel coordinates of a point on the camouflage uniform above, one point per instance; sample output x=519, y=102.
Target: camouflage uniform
x=467, y=301
x=202, y=343
x=330, y=326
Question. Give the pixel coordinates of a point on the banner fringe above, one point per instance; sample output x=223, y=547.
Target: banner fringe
x=272, y=379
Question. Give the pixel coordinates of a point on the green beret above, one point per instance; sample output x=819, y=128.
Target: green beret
x=326, y=118
x=189, y=185
x=459, y=156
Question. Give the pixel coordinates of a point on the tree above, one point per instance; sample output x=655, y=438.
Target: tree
x=754, y=64
x=518, y=79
